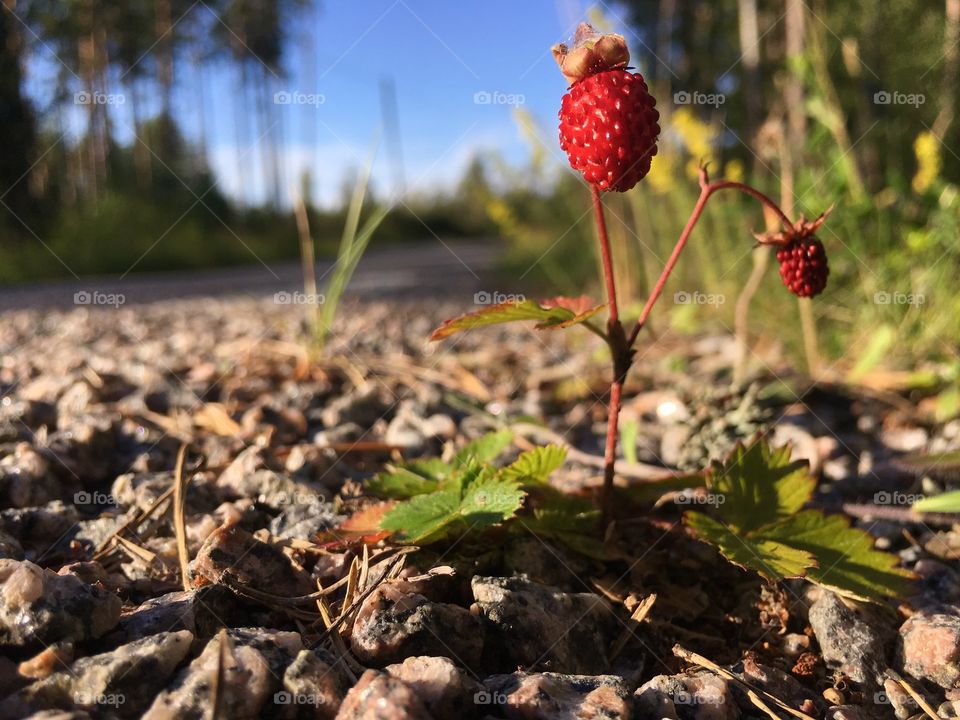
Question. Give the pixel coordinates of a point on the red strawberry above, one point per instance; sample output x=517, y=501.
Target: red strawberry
x=608, y=122
x=803, y=266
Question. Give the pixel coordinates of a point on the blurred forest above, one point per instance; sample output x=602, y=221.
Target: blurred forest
x=818, y=103
x=99, y=203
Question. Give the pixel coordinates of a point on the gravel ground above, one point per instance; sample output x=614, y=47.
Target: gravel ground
x=95, y=619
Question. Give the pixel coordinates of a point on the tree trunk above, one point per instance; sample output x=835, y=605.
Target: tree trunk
x=750, y=57
x=19, y=130
x=668, y=10
x=951, y=70
x=795, y=22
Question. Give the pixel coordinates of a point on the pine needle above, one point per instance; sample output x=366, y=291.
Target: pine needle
x=179, y=525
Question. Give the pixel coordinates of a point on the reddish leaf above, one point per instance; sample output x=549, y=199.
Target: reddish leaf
x=361, y=528
x=558, y=312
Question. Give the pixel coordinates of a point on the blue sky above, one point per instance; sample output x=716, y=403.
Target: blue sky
x=442, y=56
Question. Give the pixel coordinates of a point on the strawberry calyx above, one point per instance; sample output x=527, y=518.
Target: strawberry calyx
x=800, y=230
x=592, y=52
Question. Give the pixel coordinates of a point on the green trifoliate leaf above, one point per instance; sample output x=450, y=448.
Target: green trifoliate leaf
x=847, y=561
x=534, y=467
x=760, y=485
x=485, y=448
x=771, y=559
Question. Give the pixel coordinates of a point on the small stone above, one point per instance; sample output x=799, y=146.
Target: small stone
x=904, y=439
x=795, y=645
x=568, y=632
x=440, y=426
x=552, y=696
x=930, y=648
x=25, y=479
x=37, y=529
x=655, y=698
x=546, y=563
x=849, y=712
x=39, y=607
x=48, y=661
x=363, y=407
x=303, y=518
x=779, y=684
x=252, y=663
x=406, y=428
x=937, y=584
x=848, y=641
x=314, y=685
x=378, y=696
x=201, y=611
x=896, y=697
x=396, y=622
x=699, y=696
x=9, y=547
x=233, y=551
x=445, y=690
x=116, y=683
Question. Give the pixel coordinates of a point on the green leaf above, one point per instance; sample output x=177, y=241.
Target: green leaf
x=472, y=499
x=771, y=559
x=409, y=479
x=485, y=448
x=760, y=485
x=948, y=502
x=534, y=467
x=846, y=559
x=555, y=313
x=423, y=519
x=490, y=501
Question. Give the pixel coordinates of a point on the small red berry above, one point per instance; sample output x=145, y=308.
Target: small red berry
x=608, y=128
x=803, y=266
x=608, y=120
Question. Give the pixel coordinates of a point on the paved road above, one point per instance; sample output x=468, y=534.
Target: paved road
x=425, y=268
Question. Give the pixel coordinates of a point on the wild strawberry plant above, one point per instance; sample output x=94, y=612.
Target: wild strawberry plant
x=609, y=129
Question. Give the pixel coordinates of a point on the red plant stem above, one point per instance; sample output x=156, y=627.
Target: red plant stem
x=605, y=256
x=620, y=354
x=707, y=189
x=620, y=345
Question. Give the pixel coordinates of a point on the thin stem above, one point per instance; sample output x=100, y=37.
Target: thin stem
x=620, y=356
x=605, y=256
x=620, y=345
x=707, y=189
